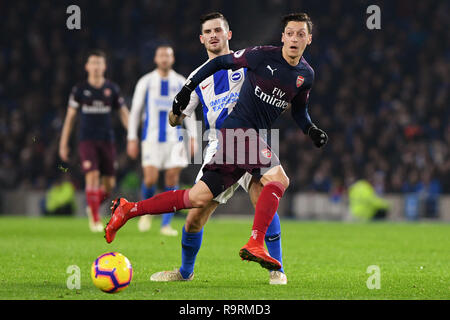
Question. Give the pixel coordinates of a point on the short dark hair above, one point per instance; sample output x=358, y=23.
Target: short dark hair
x=96, y=53
x=211, y=16
x=164, y=45
x=302, y=17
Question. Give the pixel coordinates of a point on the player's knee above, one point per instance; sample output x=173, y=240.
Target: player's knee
x=149, y=181
x=93, y=176
x=285, y=182
x=109, y=185
x=199, y=202
x=172, y=177
x=199, y=197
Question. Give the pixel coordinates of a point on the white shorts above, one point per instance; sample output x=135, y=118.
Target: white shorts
x=244, y=181
x=165, y=155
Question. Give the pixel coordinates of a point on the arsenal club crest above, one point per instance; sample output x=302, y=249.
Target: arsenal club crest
x=300, y=81
x=266, y=153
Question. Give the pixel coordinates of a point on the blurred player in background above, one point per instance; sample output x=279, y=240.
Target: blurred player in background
x=218, y=95
x=162, y=145
x=95, y=99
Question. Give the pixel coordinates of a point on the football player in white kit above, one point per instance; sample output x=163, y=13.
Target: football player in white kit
x=162, y=145
x=217, y=94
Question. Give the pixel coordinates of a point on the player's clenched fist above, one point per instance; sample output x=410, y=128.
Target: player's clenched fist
x=133, y=149
x=181, y=100
x=318, y=136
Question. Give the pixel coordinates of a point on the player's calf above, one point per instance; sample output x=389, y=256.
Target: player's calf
x=166, y=202
x=197, y=217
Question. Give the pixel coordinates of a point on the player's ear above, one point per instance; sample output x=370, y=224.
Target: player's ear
x=309, y=39
x=230, y=34
x=202, y=40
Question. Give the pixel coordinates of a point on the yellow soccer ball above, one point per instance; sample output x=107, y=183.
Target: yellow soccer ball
x=111, y=272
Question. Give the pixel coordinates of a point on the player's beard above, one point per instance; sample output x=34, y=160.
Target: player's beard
x=218, y=49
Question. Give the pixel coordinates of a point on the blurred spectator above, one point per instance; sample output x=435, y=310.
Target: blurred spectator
x=422, y=195
x=60, y=199
x=364, y=202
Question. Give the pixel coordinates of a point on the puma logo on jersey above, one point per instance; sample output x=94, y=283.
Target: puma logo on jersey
x=270, y=69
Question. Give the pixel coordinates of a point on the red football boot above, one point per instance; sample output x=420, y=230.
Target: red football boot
x=119, y=216
x=260, y=255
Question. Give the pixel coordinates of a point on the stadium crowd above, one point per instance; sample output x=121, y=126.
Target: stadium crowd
x=381, y=95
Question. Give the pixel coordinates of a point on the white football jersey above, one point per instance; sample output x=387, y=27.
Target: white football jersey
x=153, y=96
x=218, y=95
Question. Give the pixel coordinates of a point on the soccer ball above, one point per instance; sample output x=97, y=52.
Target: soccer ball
x=111, y=272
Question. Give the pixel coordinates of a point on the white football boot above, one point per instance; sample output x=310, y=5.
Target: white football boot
x=277, y=277
x=167, y=230
x=165, y=276
x=145, y=223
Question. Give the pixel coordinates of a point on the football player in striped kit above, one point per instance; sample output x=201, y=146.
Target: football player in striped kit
x=162, y=146
x=217, y=94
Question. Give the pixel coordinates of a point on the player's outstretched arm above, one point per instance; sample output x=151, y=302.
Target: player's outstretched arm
x=245, y=58
x=65, y=135
x=183, y=97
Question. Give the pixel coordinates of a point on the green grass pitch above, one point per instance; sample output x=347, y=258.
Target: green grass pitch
x=323, y=260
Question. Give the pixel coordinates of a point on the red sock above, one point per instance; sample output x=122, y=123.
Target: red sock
x=266, y=206
x=93, y=201
x=166, y=202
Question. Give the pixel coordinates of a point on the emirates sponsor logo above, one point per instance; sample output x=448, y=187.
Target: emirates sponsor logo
x=272, y=99
x=97, y=107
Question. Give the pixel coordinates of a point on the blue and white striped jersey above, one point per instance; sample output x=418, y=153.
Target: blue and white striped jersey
x=218, y=95
x=153, y=96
